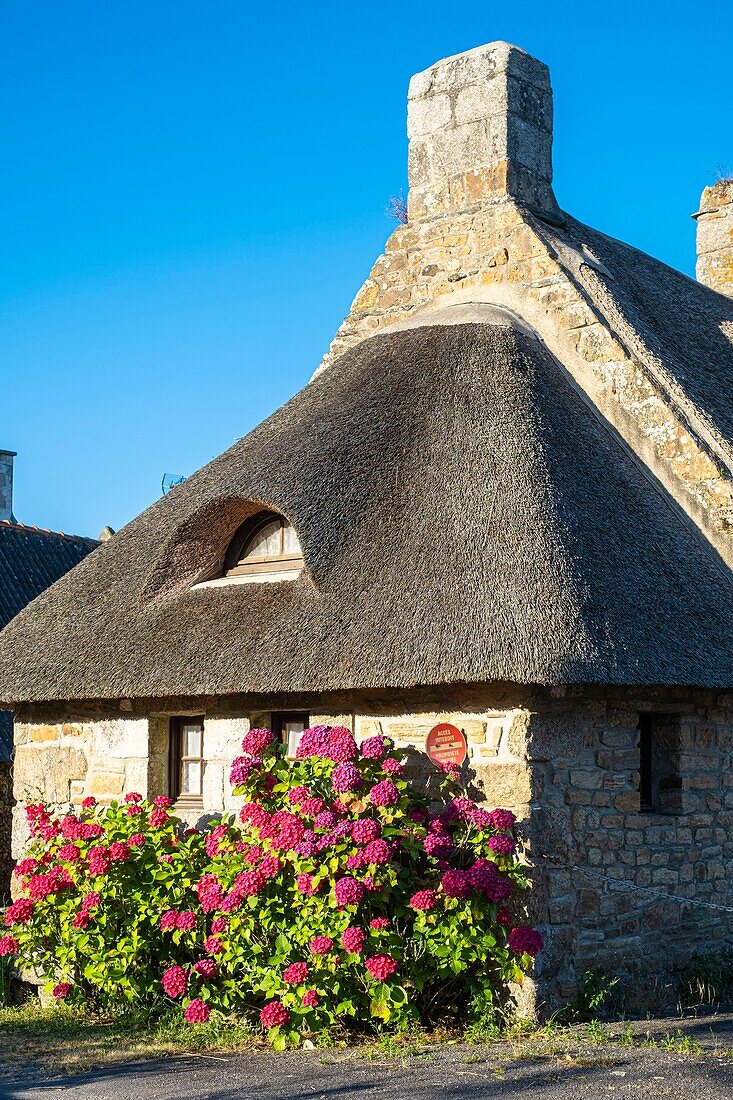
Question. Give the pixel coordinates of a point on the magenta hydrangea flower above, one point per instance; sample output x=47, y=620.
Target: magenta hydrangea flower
x=20, y=912
x=207, y=968
x=158, y=817
x=62, y=990
x=321, y=945
x=439, y=845
x=504, y=916
x=392, y=766
x=249, y=883
x=346, y=777
x=381, y=967
x=274, y=1014
x=378, y=851
x=305, y=885
x=525, y=941
x=241, y=769
x=296, y=973
x=349, y=891
x=213, y=945
x=502, y=819
x=423, y=900
x=481, y=818
x=133, y=796
x=297, y=795
x=353, y=940
x=311, y=999
x=68, y=853
x=379, y=924
x=502, y=844
x=8, y=945
x=137, y=840
x=456, y=884
x=366, y=830
x=175, y=981
x=169, y=920
x=119, y=852
x=384, y=793
x=256, y=740
x=219, y=924
x=374, y=748
x=186, y=921
x=196, y=1012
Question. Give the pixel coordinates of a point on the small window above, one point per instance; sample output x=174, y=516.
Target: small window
x=659, y=779
x=288, y=728
x=265, y=544
x=187, y=760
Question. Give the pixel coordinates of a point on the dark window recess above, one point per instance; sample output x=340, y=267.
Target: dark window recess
x=288, y=727
x=186, y=759
x=265, y=543
x=660, y=783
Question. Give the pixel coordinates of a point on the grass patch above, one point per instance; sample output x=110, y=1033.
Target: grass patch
x=69, y=1040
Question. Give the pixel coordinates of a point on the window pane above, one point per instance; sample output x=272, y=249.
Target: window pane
x=191, y=777
x=293, y=732
x=266, y=542
x=191, y=741
x=292, y=544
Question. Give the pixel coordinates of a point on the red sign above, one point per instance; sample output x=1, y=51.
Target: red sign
x=446, y=744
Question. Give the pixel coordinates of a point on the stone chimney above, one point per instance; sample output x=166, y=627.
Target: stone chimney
x=480, y=130
x=715, y=237
x=6, y=485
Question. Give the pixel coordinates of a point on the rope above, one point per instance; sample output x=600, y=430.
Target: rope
x=623, y=884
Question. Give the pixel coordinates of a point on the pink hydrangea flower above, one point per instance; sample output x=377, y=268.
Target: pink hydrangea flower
x=249, y=883
x=502, y=844
x=381, y=967
x=502, y=819
x=384, y=793
x=81, y=919
x=68, y=853
x=346, y=777
x=456, y=884
x=169, y=920
x=481, y=818
x=378, y=851
x=158, y=817
x=392, y=766
x=119, y=851
x=91, y=900
x=8, y=945
x=62, y=990
x=311, y=999
x=133, y=811
x=374, y=748
x=349, y=891
x=379, y=924
x=220, y=924
x=136, y=840
x=504, y=916
x=366, y=830
x=209, y=892
x=296, y=973
x=274, y=1014
x=26, y=867
x=196, y=1012
x=163, y=802
x=525, y=941
x=89, y=803
x=257, y=740
x=353, y=940
x=20, y=912
x=297, y=795
x=186, y=921
x=175, y=981
x=423, y=900
x=213, y=945
x=207, y=968
x=321, y=945
x=133, y=796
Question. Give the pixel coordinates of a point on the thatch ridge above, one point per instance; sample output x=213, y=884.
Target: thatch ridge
x=465, y=517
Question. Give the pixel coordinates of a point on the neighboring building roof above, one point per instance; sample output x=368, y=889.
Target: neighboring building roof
x=465, y=516
x=31, y=559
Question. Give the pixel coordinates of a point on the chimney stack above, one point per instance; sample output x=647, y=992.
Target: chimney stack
x=480, y=130
x=6, y=485
x=715, y=237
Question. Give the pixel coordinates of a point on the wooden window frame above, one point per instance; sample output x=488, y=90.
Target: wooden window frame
x=281, y=718
x=234, y=566
x=646, y=777
x=176, y=760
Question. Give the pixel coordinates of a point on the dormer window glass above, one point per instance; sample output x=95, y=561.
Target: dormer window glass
x=266, y=544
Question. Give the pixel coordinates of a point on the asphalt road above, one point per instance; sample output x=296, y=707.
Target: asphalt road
x=449, y=1073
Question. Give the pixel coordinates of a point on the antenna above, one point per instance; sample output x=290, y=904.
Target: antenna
x=170, y=481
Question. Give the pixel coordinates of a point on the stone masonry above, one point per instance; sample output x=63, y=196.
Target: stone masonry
x=715, y=237
x=565, y=760
x=481, y=212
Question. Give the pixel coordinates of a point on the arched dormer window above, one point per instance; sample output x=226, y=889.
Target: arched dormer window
x=265, y=547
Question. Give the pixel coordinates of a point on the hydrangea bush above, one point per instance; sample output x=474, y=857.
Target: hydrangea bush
x=340, y=894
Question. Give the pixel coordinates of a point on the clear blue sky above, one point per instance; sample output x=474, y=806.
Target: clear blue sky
x=192, y=193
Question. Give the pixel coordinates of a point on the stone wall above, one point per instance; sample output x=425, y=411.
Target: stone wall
x=590, y=842
x=566, y=761
x=715, y=237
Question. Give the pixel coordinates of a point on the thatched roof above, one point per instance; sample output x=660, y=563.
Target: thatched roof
x=465, y=516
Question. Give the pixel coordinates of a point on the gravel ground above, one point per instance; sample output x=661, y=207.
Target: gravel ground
x=548, y=1070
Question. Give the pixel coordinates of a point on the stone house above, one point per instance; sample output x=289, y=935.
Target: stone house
x=505, y=501
x=31, y=559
